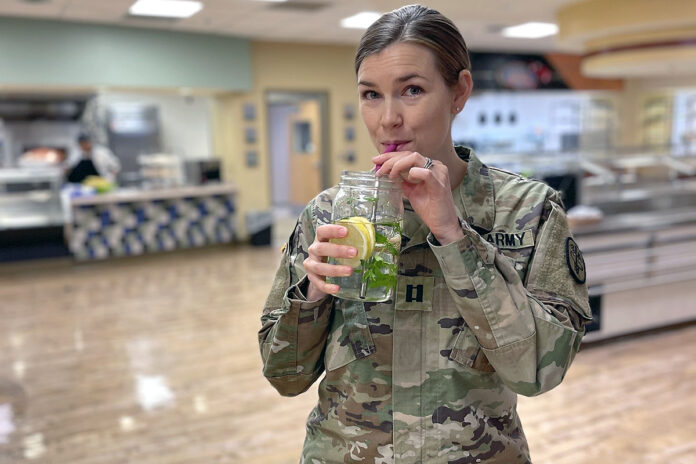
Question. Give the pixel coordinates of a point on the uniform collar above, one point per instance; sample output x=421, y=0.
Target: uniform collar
x=474, y=198
x=475, y=195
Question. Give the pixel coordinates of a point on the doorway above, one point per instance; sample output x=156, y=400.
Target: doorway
x=298, y=147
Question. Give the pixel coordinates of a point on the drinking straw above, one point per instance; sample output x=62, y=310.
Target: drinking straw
x=373, y=216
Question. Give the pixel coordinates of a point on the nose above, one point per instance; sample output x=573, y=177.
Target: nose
x=391, y=113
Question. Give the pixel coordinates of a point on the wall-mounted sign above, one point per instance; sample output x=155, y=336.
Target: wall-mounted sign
x=497, y=71
x=252, y=158
x=349, y=111
x=249, y=111
x=250, y=135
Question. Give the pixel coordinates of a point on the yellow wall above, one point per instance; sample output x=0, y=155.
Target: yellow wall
x=288, y=67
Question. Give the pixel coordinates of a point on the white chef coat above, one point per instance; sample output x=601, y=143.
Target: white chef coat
x=106, y=163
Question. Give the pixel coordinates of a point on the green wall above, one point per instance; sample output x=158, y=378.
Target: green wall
x=51, y=53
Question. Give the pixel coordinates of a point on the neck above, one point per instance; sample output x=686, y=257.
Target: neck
x=456, y=166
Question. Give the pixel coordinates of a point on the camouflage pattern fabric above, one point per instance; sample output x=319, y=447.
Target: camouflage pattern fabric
x=433, y=376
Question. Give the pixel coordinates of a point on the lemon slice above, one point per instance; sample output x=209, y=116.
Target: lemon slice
x=369, y=227
x=361, y=235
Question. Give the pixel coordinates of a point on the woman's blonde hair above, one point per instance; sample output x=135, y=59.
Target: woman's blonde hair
x=420, y=25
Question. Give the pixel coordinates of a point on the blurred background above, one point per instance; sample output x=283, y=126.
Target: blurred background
x=154, y=155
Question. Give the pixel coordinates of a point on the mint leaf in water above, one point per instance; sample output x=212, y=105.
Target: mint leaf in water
x=379, y=273
x=382, y=240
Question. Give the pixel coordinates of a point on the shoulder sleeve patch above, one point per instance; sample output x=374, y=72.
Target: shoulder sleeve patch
x=557, y=267
x=576, y=263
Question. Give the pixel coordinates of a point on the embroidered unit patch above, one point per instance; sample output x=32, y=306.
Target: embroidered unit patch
x=576, y=263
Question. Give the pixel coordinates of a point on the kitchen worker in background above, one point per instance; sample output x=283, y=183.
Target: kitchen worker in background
x=429, y=377
x=91, y=160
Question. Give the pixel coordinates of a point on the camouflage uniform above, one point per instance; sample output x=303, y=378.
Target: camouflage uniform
x=433, y=376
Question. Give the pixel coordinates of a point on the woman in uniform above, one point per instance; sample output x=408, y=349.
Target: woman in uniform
x=491, y=299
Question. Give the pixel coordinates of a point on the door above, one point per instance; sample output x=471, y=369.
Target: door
x=299, y=147
x=305, y=152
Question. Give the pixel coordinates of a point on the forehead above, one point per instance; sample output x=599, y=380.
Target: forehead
x=397, y=60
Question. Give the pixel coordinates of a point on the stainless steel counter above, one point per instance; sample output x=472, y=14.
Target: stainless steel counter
x=132, y=195
x=639, y=221
x=641, y=270
x=30, y=198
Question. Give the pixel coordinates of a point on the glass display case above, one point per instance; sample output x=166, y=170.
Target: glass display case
x=30, y=198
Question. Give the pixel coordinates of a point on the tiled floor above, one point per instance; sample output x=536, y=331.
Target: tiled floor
x=155, y=360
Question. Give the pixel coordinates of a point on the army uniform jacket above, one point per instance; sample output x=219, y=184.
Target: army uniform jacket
x=432, y=376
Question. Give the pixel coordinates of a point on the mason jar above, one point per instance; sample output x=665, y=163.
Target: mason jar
x=372, y=210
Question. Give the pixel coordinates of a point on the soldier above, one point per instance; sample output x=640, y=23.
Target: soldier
x=433, y=375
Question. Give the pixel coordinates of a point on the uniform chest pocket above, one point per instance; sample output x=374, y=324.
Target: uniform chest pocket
x=349, y=336
x=468, y=352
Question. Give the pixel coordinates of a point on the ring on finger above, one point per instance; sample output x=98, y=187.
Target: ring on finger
x=428, y=163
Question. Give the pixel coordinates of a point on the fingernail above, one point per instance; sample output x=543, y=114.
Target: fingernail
x=347, y=271
x=334, y=289
x=343, y=232
x=352, y=252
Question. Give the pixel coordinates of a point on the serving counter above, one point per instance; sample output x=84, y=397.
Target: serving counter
x=133, y=222
x=641, y=270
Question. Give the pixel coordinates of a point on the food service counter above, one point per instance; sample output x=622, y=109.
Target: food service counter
x=641, y=271
x=133, y=222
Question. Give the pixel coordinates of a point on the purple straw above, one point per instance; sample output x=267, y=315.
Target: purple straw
x=390, y=148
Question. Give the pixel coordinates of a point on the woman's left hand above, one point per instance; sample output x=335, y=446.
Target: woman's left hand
x=428, y=190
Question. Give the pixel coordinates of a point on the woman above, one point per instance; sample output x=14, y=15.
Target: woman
x=501, y=303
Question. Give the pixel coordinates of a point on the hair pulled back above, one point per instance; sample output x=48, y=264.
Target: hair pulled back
x=419, y=25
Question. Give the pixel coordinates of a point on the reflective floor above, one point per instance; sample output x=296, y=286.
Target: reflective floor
x=154, y=360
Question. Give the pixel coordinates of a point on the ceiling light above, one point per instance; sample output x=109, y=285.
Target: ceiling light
x=361, y=20
x=530, y=30
x=165, y=8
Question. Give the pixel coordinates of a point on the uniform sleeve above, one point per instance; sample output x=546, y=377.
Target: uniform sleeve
x=294, y=331
x=529, y=331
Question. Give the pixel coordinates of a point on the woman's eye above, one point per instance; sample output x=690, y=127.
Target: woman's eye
x=370, y=95
x=413, y=90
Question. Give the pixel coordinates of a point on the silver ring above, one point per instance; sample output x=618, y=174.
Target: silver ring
x=428, y=163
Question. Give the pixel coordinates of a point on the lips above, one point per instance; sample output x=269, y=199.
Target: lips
x=399, y=144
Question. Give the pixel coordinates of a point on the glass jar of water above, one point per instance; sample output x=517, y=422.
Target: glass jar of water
x=371, y=209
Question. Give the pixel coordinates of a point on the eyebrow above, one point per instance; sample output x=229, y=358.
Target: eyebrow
x=408, y=77
x=404, y=78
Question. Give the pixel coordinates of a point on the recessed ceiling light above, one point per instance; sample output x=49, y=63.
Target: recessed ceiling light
x=531, y=30
x=361, y=20
x=165, y=8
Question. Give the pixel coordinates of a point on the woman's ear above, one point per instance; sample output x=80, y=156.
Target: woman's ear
x=462, y=90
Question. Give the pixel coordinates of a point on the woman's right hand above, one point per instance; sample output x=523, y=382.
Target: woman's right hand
x=318, y=269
